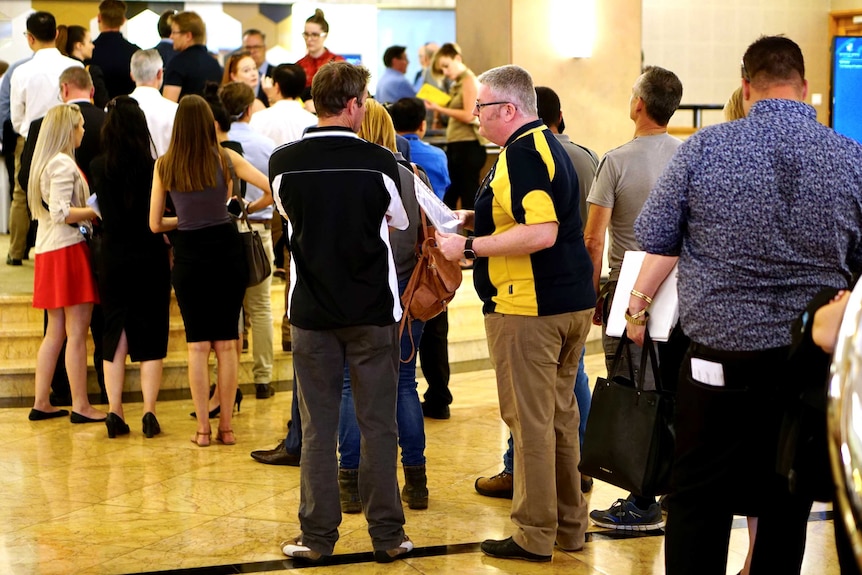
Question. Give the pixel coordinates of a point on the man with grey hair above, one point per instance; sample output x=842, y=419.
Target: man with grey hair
x=537, y=304
x=147, y=72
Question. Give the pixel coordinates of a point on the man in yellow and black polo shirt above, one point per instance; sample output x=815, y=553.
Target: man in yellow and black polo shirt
x=534, y=276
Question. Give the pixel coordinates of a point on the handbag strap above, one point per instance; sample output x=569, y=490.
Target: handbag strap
x=648, y=350
x=622, y=349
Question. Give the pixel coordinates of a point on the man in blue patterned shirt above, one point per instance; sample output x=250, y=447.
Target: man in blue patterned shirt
x=762, y=213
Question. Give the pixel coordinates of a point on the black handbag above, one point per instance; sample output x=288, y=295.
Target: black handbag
x=629, y=439
x=256, y=259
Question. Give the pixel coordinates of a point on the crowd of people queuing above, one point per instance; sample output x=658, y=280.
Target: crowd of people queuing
x=134, y=178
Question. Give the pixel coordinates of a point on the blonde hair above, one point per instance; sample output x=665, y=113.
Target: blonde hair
x=733, y=109
x=377, y=126
x=56, y=136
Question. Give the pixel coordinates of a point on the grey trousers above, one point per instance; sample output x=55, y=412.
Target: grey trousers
x=372, y=355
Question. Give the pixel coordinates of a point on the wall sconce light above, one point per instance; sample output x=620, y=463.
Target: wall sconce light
x=573, y=27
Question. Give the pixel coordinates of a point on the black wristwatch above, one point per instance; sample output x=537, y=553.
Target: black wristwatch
x=468, y=249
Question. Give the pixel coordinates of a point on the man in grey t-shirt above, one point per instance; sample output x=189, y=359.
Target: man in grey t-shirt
x=623, y=181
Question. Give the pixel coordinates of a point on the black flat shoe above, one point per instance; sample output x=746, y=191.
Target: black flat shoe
x=217, y=409
x=116, y=426
x=508, y=549
x=78, y=418
x=151, y=425
x=36, y=415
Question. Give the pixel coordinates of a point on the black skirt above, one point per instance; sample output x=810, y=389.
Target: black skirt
x=209, y=278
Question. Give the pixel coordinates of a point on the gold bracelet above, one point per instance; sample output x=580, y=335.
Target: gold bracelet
x=634, y=320
x=641, y=313
x=642, y=296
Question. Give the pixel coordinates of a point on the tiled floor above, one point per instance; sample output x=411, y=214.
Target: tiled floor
x=74, y=501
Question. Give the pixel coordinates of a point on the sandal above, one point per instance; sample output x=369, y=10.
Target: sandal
x=201, y=434
x=221, y=439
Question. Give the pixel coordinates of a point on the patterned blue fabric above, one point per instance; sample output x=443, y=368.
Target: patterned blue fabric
x=763, y=212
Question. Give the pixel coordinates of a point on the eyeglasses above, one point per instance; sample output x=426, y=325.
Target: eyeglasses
x=254, y=48
x=314, y=35
x=479, y=105
x=175, y=32
x=744, y=72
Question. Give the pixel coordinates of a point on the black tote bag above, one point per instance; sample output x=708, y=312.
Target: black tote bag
x=629, y=439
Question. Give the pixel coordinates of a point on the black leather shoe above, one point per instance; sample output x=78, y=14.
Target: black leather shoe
x=263, y=391
x=37, y=415
x=78, y=418
x=435, y=412
x=10, y=261
x=150, y=425
x=116, y=426
x=277, y=456
x=508, y=549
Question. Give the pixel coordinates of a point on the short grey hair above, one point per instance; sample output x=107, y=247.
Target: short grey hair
x=514, y=84
x=145, y=65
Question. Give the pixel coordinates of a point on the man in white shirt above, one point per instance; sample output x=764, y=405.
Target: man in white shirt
x=285, y=120
x=147, y=73
x=34, y=90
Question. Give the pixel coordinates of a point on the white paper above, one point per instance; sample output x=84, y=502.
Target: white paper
x=707, y=372
x=93, y=202
x=441, y=216
x=664, y=310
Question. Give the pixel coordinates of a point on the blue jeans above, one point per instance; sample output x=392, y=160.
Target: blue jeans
x=411, y=425
x=582, y=394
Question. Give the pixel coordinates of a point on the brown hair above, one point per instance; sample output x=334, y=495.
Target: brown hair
x=319, y=19
x=193, y=157
x=68, y=36
x=236, y=97
x=232, y=63
x=191, y=22
x=335, y=84
x=773, y=60
x=112, y=13
x=447, y=50
x=76, y=76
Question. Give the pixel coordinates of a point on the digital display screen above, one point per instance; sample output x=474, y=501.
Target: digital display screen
x=847, y=86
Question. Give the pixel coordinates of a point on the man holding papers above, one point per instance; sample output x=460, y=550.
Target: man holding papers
x=534, y=277
x=623, y=181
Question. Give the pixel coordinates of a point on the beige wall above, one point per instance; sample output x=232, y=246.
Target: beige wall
x=703, y=43
x=594, y=91
x=846, y=5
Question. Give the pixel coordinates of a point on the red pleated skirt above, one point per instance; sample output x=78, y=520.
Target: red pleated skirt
x=64, y=278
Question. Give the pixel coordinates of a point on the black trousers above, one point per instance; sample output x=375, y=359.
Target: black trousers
x=434, y=357
x=725, y=465
x=465, y=160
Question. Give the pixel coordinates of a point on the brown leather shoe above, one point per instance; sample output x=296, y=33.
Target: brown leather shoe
x=277, y=456
x=500, y=485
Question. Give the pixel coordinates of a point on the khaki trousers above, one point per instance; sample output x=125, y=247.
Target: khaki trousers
x=536, y=362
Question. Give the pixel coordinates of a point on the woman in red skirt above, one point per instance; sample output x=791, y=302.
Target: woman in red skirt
x=64, y=284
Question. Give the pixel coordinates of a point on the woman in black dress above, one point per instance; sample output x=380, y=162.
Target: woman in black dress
x=134, y=268
x=209, y=274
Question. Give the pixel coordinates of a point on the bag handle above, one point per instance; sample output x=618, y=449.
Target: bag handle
x=648, y=349
x=622, y=348
x=235, y=187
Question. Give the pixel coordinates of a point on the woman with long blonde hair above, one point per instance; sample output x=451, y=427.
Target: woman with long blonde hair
x=378, y=129
x=63, y=284
x=209, y=273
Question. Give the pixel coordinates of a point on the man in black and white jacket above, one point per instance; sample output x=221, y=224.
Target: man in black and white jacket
x=340, y=194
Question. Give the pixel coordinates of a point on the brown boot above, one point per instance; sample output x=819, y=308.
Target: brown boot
x=348, y=490
x=415, y=491
x=500, y=485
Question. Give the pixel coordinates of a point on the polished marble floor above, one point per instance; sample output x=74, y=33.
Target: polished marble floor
x=74, y=501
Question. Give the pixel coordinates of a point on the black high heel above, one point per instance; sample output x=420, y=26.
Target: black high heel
x=216, y=411
x=151, y=425
x=116, y=426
